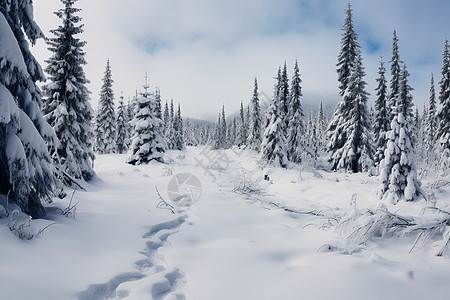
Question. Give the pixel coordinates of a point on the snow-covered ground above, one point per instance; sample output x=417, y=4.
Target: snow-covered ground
x=245, y=238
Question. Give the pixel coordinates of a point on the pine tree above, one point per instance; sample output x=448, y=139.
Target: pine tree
x=321, y=128
x=273, y=146
x=241, y=129
x=178, y=124
x=170, y=133
x=218, y=135
x=349, y=50
x=356, y=152
x=166, y=118
x=431, y=120
x=158, y=104
x=348, y=131
x=147, y=143
x=121, y=128
x=223, y=139
x=395, y=68
x=295, y=129
x=26, y=172
x=130, y=116
x=381, y=124
x=254, y=134
x=311, y=143
x=106, y=118
x=398, y=170
x=66, y=102
x=284, y=97
x=443, y=132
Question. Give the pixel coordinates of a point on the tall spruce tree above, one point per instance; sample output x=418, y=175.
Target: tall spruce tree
x=178, y=124
x=443, y=131
x=241, y=128
x=166, y=118
x=223, y=138
x=147, y=142
x=295, y=129
x=217, y=135
x=130, y=115
x=356, y=152
x=66, y=102
x=395, y=67
x=321, y=128
x=158, y=104
x=273, y=146
x=121, y=128
x=284, y=97
x=382, y=121
x=348, y=131
x=349, y=50
x=254, y=135
x=398, y=171
x=170, y=134
x=106, y=118
x=430, y=120
x=26, y=172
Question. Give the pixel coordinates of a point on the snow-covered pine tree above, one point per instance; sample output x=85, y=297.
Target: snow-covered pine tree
x=231, y=132
x=348, y=131
x=170, y=134
x=130, y=115
x=443, y=131
x=284, y=98
x=321, y=128
x=26, y=172
x=273, y=146
x=158, y=104
x=241, y=128
x=178, y=124
x=295, y=129
x=395, y=68
x=106, y=117
x=188, y=133
x=349, y=50
x=217, y=134
x=356, y=153
x=310, y=140
x=254, y=133
x=248, y=118
x=147, y=142
x=223, y=130
x=121, y=128
x=66, y=102
x=166, y=118
x=397, y=169
x=382, y=122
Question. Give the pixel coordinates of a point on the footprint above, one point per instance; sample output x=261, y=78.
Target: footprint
x=153, y=265
x=162, y=288
x=108, y=290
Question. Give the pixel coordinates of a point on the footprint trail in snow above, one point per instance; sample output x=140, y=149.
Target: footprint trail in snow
x=153, y=273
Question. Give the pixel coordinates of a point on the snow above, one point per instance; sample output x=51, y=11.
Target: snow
x=8, y=107
x=9, y=49
x=267, y=244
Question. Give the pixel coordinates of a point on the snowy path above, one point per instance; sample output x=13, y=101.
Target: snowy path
x=226, y=246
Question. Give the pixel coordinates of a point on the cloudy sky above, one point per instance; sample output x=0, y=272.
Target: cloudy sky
x=205, y=53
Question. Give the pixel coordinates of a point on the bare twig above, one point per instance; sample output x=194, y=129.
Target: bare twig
x=69, y=178
x=41, y=231
x=70, y=210
x=163, y=204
